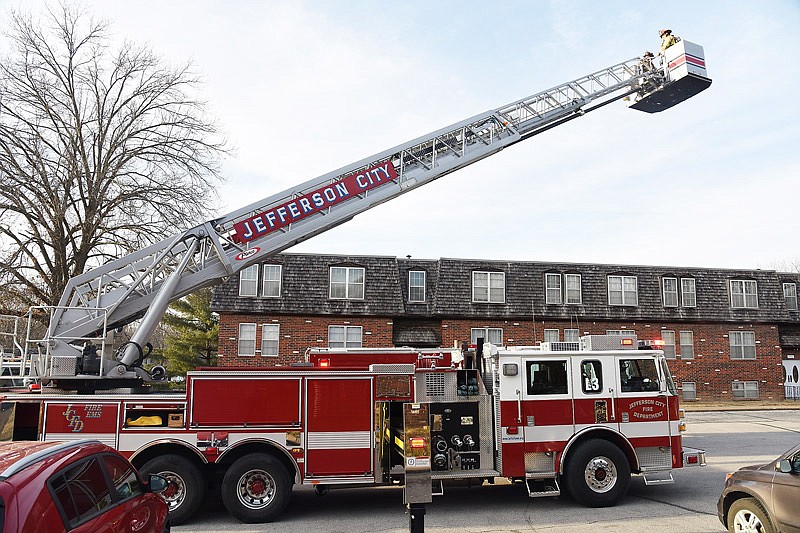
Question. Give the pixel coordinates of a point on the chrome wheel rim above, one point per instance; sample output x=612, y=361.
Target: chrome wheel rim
x=256, y=489
x=600, y=474
x=175, y=493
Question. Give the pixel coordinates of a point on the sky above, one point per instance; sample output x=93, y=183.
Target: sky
x=305, y=87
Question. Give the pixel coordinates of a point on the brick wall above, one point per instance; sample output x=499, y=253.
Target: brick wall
x=712, y=369
x=297, y=334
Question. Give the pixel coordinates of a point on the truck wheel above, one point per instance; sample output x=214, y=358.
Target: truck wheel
x=597, y=473
x=186, y=486
x=746, y=514
x=256, y=488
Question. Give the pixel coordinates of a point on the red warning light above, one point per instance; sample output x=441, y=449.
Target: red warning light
x=324, y=363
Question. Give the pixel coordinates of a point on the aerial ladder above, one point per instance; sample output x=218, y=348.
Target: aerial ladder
x=141, y=285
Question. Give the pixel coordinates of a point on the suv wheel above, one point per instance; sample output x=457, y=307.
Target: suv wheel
x=746, y=515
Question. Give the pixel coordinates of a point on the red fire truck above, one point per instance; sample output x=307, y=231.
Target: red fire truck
x=548, y=418
x=580, y=417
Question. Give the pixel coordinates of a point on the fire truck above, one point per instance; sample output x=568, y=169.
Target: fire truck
x=555, y=417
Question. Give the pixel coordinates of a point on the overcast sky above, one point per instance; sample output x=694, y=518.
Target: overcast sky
x=303, y=88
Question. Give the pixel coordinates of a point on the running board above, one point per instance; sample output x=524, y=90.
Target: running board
x=658, y=478
x=540, y=488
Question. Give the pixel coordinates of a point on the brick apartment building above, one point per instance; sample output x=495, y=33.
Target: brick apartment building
x=731, y=334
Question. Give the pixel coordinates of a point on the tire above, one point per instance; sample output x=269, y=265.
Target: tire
x=256, y=488
x=597, y=474
x=748, y=515
x=186, y=489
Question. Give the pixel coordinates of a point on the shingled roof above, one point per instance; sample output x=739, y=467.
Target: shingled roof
x=305, y=287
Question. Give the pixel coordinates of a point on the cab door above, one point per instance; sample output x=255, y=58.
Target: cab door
x=595, y=383
x=643, y=409
x=547, y=411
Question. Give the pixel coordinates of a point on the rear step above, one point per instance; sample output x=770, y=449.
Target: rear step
x=540, y=488
x=658, y=478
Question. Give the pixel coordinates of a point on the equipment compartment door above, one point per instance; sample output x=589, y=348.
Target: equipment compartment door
x=339, y=415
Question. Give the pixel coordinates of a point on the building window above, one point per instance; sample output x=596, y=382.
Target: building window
x=344, y=336
x=552, y=288
x=745, y=389
x=551, y=335
x=271, y=286
x=744, y=294
x=573, y=283
x=248, y=281
x=416, y=286
x=688, y=292
x=247, y=339
x=347, y=283
x=668, y=337
x=689, y=390
x=621, y=332
x=687, y=344
x=571, y=335
x=622, y=290
x=790, y=295
x=670, y=291
x=489, y=287
x=491, y=335
x=270, y=334
x=743, y=344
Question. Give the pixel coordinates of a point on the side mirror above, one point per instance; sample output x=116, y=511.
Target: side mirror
x=157, y=483
x=785, y=466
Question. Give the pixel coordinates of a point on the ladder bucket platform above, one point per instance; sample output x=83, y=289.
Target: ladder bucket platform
x=686, y=76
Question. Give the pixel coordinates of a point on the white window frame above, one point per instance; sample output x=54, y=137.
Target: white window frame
x=686, y=342
x=740, y=345
x=270, y=339
x=790, y=295
x=494, y=287
x=688, y=292
x=244, y=337
x=552, y=335
x=744, y=293
x=414, y=284
x=572, y=335
x=627, y=296
x=744, y=390
x=552, y=288
x=347, y=288
x=668, y=336
x=491, y=335
x=270, y=279
x=670, y=294
x=347, y=341
x=692, y=393
x=248, y=281
x=573, y=295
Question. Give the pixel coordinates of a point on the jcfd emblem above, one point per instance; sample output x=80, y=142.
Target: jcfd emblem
x=74, y=421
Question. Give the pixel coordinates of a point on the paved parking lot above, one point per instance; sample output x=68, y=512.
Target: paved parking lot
x=732, y=439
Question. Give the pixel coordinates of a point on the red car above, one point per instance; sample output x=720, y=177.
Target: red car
x=82, y=486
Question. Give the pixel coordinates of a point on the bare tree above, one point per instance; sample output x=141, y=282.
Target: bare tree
x=101, y=151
